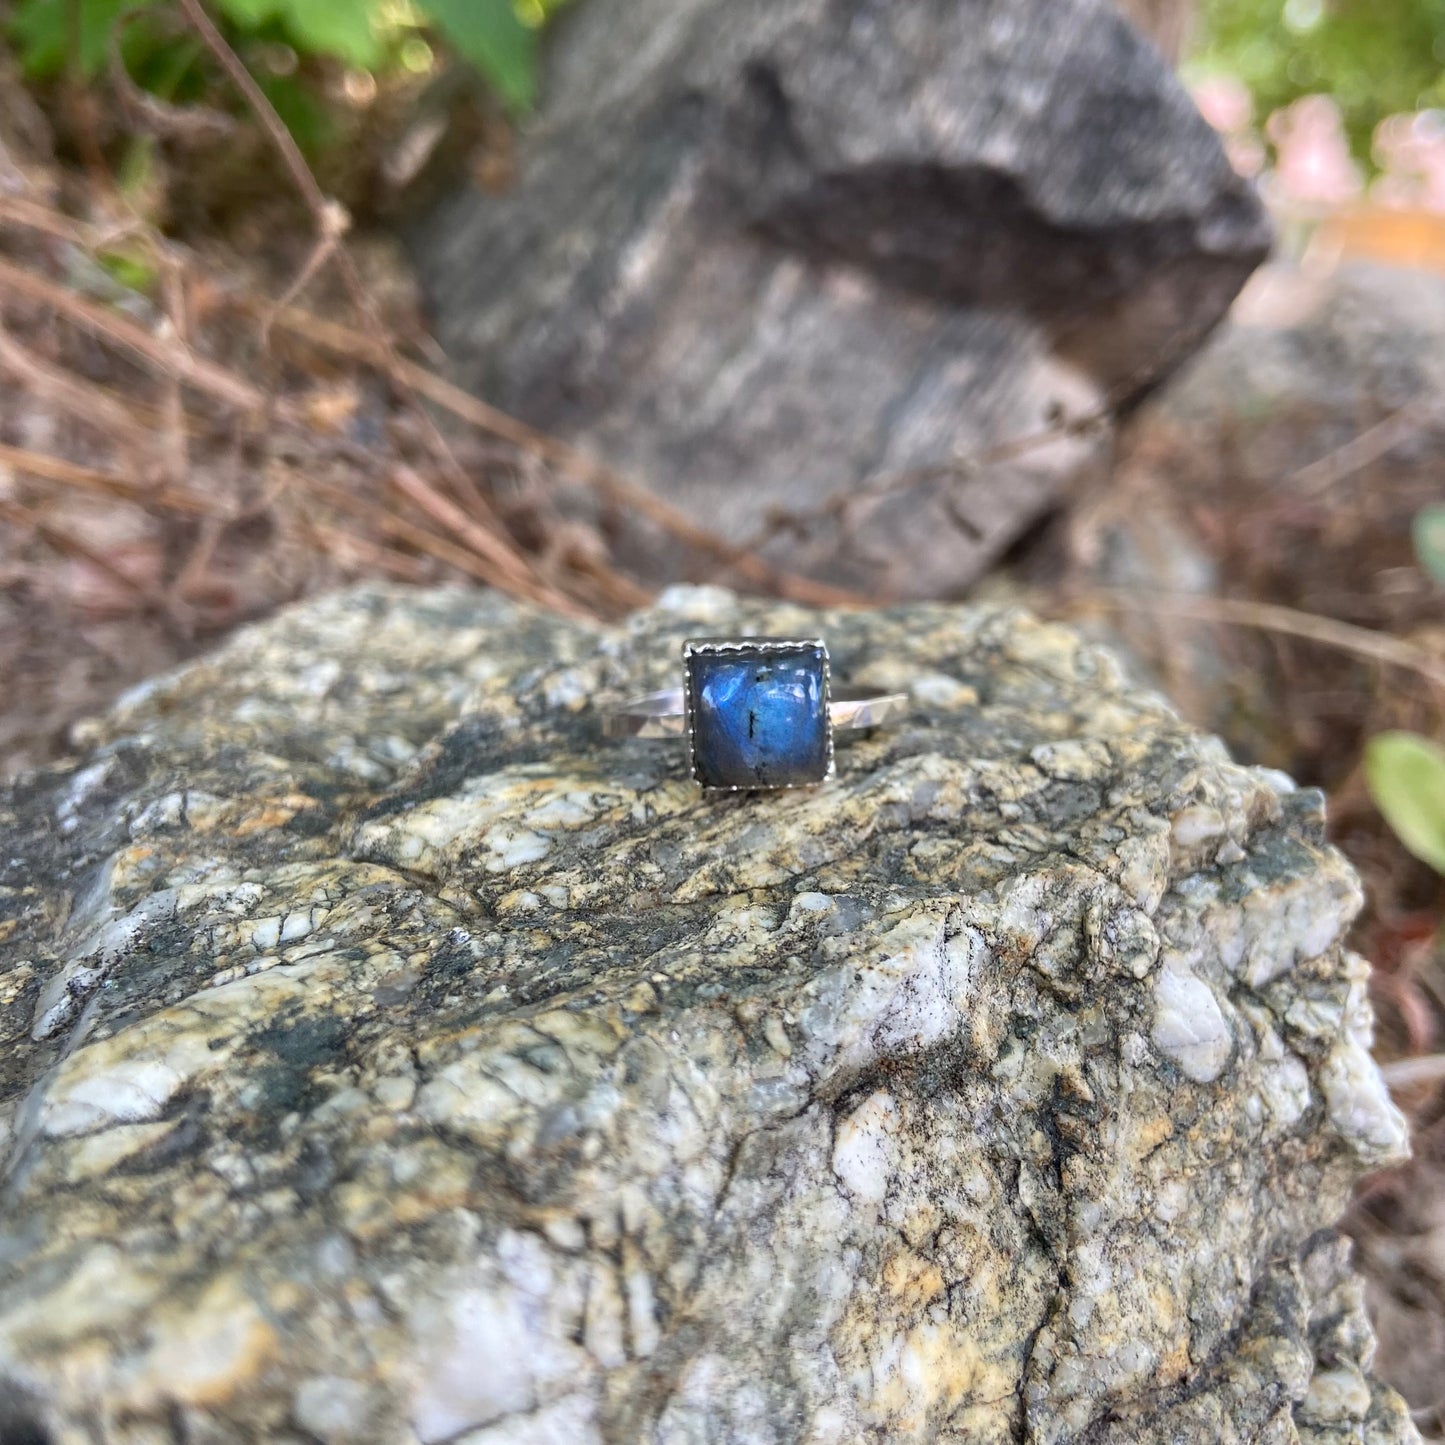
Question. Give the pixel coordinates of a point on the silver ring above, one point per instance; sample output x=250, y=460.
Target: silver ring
x=758, y=713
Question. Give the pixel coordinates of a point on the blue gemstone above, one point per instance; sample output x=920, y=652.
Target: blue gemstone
x=759, y=717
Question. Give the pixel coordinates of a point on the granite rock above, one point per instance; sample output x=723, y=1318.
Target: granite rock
x=773, y=254
x=386, y=1057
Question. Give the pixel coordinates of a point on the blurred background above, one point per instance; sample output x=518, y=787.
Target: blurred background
x=279, y=310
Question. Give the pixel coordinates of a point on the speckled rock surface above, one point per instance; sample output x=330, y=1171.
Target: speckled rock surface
x=387, y=1058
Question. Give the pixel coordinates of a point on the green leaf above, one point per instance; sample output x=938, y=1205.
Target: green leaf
x=168, y=66
x=251, y=14
x=333, y=27
x=1406, y=777
x=311, y=124
x=491, y=35
x=40, y=30
x=1429, y=535
x=135, y=273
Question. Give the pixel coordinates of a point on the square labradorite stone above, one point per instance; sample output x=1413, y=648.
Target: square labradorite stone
x=759, y=715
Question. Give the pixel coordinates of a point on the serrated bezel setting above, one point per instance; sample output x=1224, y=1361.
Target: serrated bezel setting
x=698, y=650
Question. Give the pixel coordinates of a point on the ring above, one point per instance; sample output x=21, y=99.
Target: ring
x=757, y=713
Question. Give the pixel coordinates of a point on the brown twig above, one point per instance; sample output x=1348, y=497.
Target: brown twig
x=169, y=357
x=321, y=253
x=486, y=544
x=90, y=479
x=148, y=111
x=577, y=552
x=79, y=102
x=347, y=342
x=176, y=360
x=78, y=398
x=331, y=222
x=174, y=432
x=192, y=571
x=1363, y=448
x=1406, y=1073
x=17, y=211
x=363, y=552
x=403, y=530
x=1270, y=617
x=566, y=460
x=70, y=545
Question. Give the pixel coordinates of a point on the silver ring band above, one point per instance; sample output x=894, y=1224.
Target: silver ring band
x=664, y=714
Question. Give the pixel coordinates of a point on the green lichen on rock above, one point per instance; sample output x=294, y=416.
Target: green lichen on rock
x=387, y=1058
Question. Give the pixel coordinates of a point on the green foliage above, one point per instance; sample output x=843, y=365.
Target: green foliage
x=1406, y=777
x=40, y=30
x=1375, y=57
x=492, y=35
x=131, y=272
x=1429, y=536
x=498, y=37
x=342, y=29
